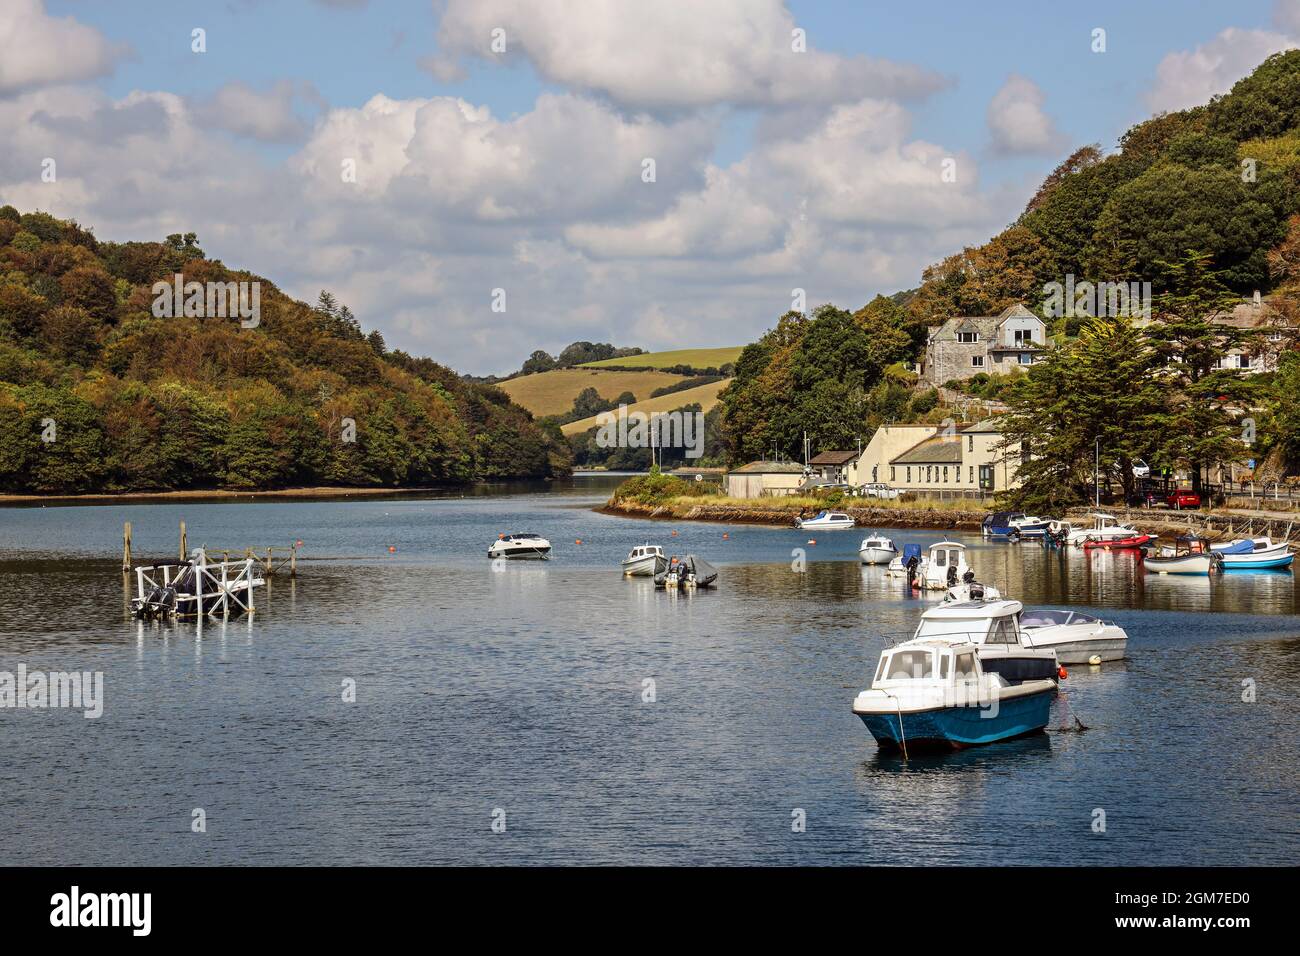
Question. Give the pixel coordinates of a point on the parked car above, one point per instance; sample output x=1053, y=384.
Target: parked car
x=878, y=489
x=1148, y=499
x=1183, y=498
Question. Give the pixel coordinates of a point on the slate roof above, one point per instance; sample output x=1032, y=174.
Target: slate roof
x=769, y=468
x=937, y=450
x=833, y=458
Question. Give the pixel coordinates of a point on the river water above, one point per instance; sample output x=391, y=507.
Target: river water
x=520, y=695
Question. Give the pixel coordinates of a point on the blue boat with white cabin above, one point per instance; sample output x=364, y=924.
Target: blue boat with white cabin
x=1254, y=554
x=935, y=693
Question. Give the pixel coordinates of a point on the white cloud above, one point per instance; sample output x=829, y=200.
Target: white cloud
x=1286, y=16
x=1017, y=121
x=1190, y=77
x=268, y=116
x=41, y=50
x=671, y=53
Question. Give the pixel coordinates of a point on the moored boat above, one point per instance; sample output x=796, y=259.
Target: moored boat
x=1106, y=531
x=1255, y=554
x=910, y=563
x=1189, y=555
x=825, y=521
x=686, y=573
x=877, y=549
x=1076, y=637
x=937, y=692
x=945, y=566
x=523, y=545
x=644, y=560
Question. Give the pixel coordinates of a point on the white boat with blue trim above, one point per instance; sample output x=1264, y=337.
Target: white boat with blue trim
x=825, y=521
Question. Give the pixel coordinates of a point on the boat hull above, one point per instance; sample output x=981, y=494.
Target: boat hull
x=877, y=555
x=824, y=525
x=1184, y=564
x=957, y=727
x=644, y=567
x=1134, y=541
x=1082, y=652
x=520, y=553
x=1257, y=560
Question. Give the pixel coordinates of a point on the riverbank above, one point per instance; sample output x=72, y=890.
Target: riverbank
x=775, y=512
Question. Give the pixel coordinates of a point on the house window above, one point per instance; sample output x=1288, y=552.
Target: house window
x=893, y=473
x=968, y=337
x=945, y=474
x=972, y=474
x=909, y=474
x=970, y=442
x=1021, y=336
x=986, y=477
x=977, y=361
x=1026, y=358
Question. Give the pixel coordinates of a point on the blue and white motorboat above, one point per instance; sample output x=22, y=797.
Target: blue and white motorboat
x=825, y=521
x=1029, y=526
x=937, y=692
x=998, y=524
x=1254, y=554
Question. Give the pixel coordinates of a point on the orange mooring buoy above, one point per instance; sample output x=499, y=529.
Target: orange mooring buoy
x=392, y=549
x=299, y=543
x=812, y=540
x=674, y=534
x=577, y=541
x=725, y=536
x=1061, y=672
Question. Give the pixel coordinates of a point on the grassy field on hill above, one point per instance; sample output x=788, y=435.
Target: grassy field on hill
x=697, y=358
x=552, y=393
x=705, y=395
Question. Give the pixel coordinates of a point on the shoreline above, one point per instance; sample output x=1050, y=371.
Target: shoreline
x=921, y=518
x=195, y=494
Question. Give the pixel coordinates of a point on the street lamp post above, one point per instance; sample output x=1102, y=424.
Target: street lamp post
x=1096, y=475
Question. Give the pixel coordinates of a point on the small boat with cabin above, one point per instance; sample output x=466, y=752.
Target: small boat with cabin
x=1029, y=526
x=825, y=521
x=998, y=524
x=945, y=566
x=645, y=560
x=523, y=545
x=938, y=692
x=1189, y=555
x=994, y=626
x=877, y=549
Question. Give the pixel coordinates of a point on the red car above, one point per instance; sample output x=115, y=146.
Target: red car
x=1183, y=499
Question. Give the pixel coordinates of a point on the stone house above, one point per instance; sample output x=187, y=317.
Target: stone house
x=965, y=346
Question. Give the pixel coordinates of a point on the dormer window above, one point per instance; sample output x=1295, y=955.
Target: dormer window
x=968, y=338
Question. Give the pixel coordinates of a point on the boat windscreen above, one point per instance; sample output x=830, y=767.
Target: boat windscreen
x=1044, y=618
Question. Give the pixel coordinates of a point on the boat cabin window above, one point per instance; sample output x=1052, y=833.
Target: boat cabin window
x=1044, y=618
x=909, y=665
x=1002, y=632
x=966, y=667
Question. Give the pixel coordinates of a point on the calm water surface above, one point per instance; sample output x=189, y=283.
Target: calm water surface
x=521, y=689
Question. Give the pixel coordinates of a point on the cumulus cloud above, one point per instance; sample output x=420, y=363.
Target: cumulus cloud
x=672, y=53
x=268, y=116
x=41, y=50
x=1190, y=77
x=1017, y=121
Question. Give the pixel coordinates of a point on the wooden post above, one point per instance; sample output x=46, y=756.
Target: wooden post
x=293, y=561
x=183, y=542
x=269, y=568
x=126, y=546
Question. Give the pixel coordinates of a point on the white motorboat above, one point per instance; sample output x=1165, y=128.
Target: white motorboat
x=825, y=521
x=945, y=566
x=1189, y=555
x=1104, y=528
x=1028, y=526
x=645, y=560
x=524, y=545
x=994, y=626
x=1076, y=637
x=877, y=549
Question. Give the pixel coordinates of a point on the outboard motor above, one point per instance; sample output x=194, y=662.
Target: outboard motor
x=952, y=575
x=912, y=563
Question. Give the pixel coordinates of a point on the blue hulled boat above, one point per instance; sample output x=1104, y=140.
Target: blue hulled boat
x=951, y=692
x=1258, y=554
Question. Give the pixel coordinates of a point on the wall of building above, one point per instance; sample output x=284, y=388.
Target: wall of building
x=887, y=443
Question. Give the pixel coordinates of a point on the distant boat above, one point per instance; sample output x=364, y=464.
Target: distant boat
x=825, y=521
x=998, y=524
x=524, y=545
x=1029, y=526
x=877, y=549
x=1107, y=531
x=911, y=556
x=645, y=560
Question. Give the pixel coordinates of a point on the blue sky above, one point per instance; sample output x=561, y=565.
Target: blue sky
x=484, y=172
